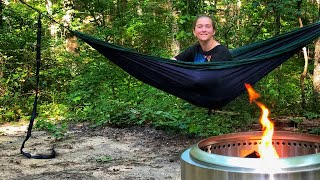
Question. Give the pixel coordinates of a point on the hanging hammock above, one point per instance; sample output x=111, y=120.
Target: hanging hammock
x=211, y=84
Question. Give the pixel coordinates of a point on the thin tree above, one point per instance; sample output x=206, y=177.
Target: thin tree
x=316, y=70
x=175, y=47
x=306, y=63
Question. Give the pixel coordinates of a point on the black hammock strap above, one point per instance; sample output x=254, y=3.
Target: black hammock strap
x=34, y=111
x=214, y=84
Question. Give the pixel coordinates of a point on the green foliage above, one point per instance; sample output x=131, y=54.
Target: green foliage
x=311, y=115
x=15, y=75
x=104, y=159
x=315, y=131
x=296, y=120
x=56, y=131
x=87, y=87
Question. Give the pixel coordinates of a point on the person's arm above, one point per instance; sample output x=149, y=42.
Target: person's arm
x=186, y=55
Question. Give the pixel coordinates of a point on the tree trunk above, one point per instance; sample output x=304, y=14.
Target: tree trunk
x=52, y=26
x=121, y=8
x=175, y=46
x=316, y=71
x=277, y=17
x=306, y=62
x=71, y=41
x=238, y=13
x=277, y=29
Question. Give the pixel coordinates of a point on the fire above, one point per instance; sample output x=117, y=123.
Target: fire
x=266, y=149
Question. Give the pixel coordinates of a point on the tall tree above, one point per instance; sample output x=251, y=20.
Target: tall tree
x=316, y=70
x=175, y=47
x=306, y=62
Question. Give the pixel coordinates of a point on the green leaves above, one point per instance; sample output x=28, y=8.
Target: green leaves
x=56, y=131
x=89, y=88
x=104, y=159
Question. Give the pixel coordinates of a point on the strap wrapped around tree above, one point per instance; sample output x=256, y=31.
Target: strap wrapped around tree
x=214, y=84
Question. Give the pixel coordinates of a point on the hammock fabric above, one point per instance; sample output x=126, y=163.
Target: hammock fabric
x=211, y=84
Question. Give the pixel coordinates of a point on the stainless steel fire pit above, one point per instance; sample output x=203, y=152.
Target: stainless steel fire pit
x=223, y=158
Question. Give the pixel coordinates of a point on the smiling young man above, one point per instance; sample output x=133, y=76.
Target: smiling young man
x=208, y=49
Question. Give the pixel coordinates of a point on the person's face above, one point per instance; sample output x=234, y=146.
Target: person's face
x=203, y=29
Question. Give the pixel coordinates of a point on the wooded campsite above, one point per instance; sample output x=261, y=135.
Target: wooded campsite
x=82, y=92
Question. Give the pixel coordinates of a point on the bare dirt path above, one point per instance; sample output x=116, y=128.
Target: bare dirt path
x=136, y=153
x=140, y=153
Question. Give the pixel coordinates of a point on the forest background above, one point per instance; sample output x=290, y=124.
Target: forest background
x=77, y=84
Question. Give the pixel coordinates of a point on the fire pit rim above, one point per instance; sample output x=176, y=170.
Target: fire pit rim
x=305, y=162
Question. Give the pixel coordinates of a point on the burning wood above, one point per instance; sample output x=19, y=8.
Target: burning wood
x=254, y=154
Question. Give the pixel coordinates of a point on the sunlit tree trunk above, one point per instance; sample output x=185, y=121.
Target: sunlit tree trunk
x=175, y=47
x=238, y=13
x=306, y=63
x=121, y=6
x=53, y=26
x=71, y=41
x=316, y=70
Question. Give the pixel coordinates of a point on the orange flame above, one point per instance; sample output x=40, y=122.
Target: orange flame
x=266, y=149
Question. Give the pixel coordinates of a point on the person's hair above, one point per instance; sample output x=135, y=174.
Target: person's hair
x=201, y=16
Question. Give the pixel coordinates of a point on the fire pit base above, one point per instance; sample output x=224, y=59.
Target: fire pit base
x=222, y=158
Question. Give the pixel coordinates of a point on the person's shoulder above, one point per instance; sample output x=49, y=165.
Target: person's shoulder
x=188, y=53
x=221, y=47
x=222, y=53
x=194, y=46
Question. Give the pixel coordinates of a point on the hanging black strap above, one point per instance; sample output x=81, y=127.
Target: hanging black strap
x=34, y=111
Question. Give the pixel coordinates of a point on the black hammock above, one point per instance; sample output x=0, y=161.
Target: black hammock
x=211, y=84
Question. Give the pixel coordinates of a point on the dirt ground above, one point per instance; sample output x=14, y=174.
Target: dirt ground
x=135, y=153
